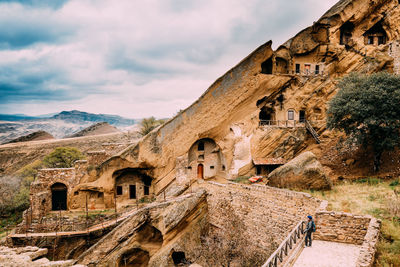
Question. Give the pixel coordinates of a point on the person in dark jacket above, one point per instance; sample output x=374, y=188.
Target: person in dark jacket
x=310, y=228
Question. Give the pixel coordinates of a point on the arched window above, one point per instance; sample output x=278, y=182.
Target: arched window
x=59, y=196
x=291, y=115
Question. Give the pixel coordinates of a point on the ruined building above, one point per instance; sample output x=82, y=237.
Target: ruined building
x=260, y=114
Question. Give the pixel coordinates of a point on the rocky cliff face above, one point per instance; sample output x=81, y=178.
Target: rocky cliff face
x=258, y=108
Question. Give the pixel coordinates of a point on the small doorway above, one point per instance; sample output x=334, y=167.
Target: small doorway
x=302, y=115
x=132, y=191
x=307, y=69
x=200, y=171
x=59, y=196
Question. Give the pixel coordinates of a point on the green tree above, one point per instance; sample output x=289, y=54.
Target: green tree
x=148, y=124
x=367, y=109
x=62, y=157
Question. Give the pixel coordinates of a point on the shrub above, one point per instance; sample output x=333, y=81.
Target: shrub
x=62, y=157
x=394, y=183
x=148, y=124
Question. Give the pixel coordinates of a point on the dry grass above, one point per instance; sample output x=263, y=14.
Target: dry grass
x=376, y=198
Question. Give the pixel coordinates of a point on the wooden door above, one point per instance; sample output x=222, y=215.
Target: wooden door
x=200, y=171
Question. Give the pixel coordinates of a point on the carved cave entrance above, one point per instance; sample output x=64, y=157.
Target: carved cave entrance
x=266, y=114
x=266, y=66
x=59, y=196
x=205, y=160
x=376, y=35
x=135, y=258
x=131, y=184
x=346, y=32
x=282, y=65
x=178, y=257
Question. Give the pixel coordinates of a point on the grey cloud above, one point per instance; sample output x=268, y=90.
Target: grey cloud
x=38, y=3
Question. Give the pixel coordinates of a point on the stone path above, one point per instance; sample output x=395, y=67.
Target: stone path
x=328, y=254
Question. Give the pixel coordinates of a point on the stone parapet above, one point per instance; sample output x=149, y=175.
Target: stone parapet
x=341, y=227
x=368, y=248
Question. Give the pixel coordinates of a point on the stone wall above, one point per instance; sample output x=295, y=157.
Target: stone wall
x=269, y=214
x=341, y=227
x=95, y=158
x=40, y=192
x=394, y=52
x=368, y=248
x=349, y=228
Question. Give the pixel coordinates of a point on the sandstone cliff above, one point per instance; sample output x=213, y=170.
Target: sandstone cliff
x=267, y=105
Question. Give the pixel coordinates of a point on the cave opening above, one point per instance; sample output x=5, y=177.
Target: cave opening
x=266, y=66
x=134, y=258
x=346, y=33
x=179, y=257
x=376, y=35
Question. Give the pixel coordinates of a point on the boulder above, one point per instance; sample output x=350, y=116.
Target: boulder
x=302, y=172
x=24, y=257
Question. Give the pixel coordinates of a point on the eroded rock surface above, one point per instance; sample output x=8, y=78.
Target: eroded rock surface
x=29, y=257
x=303, y=172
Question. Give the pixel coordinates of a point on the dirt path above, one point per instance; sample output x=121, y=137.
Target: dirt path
x=328, y=254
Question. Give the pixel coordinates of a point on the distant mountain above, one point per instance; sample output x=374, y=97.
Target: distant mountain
x=35, y=136
x=96, y=129
x=15, y=117
x=76, y=116
x=59, y=125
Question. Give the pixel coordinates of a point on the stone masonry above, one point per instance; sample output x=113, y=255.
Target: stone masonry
x=341, y=227
x=40, y=193
x=268, y=213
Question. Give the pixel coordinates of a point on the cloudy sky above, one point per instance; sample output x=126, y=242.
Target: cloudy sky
x=134, y=58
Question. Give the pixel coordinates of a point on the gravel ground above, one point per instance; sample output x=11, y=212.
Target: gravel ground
x=328, y=254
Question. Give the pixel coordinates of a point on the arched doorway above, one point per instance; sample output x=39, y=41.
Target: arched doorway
x=200, y=171
x=59, y=196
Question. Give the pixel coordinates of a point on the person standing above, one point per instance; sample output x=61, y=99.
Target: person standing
x=310, y=228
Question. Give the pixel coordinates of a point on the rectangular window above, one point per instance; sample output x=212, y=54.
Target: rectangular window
x=132, y=191
x=211, y=167
x=200, y=146
x=381, y=40
x=146, y=190
x=297, y=68
x=316, y=69
x=370, y=40
x=119, y=190
x=290, y=115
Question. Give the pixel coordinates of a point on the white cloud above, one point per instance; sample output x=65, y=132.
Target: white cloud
x=134, y=58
